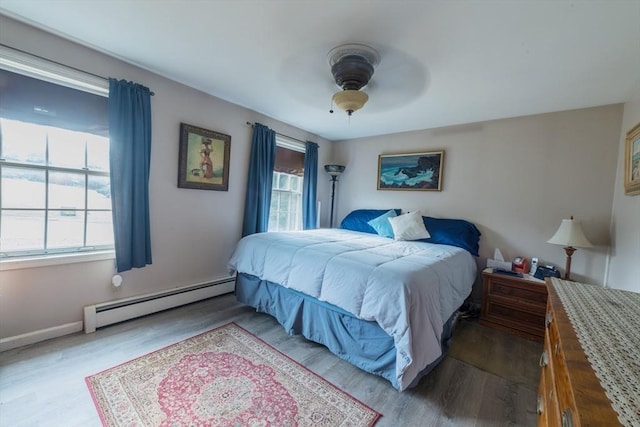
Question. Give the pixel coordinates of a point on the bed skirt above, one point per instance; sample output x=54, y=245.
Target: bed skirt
x=362, y=343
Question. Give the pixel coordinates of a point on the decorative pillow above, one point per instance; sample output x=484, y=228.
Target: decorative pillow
x=409, y=227
x=382, y=225
x=358, y=219
x=454, y=232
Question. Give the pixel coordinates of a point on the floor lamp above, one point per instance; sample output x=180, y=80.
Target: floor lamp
x=334, y=171
x=571, y=236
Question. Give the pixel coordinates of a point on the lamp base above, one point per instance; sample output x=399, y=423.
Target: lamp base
x=569, y=250
x=334, y=178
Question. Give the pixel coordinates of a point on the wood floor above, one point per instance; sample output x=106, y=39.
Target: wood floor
x=43, y=384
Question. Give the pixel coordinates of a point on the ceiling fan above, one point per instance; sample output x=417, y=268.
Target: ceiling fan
x=352, y=66
x=306, y=75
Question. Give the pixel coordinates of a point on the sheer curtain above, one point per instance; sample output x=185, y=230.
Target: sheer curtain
x=259, y=183
x=129, y=157
x=310, y=186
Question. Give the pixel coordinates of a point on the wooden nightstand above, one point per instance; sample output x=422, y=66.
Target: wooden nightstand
x=514, y=305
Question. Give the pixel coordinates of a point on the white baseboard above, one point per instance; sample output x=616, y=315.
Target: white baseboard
x=41, y=335
x=98, y=315
x=91, y=321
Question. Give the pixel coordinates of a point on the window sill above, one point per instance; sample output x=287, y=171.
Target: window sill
x=44, y=261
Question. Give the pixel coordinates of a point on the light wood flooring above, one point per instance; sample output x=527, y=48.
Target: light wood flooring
x=43, y=384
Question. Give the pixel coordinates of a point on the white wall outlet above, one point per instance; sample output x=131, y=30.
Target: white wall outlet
x=116, y=280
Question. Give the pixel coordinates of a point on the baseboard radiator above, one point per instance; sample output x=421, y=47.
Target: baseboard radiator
x=108, y=313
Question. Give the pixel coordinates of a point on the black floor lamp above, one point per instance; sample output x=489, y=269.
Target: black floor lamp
x=334, y=171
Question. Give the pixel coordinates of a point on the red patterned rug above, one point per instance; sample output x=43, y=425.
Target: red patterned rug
x=224, y=377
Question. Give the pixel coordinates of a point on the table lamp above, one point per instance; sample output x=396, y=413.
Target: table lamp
x=571, y=236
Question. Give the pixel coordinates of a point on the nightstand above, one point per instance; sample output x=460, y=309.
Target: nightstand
x=513, y=304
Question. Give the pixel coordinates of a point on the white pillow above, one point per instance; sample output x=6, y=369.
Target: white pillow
x=409, y=227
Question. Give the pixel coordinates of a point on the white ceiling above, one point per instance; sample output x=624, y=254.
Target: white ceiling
x=443, y=62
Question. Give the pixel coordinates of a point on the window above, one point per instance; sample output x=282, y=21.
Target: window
x=285, y=212
x=54, y=164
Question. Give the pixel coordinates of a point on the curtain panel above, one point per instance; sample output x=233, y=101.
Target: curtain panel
x=130, y=157
x=310, y=187
x=259, y=183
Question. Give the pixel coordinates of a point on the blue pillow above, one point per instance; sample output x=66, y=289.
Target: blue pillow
x=454, y=232
x=358, y=220
x=382, y=225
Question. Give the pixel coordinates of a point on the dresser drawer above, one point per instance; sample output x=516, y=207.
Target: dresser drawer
x=566, y=401
x=551, y=399
x=547, y=391
x=543, y=404
x=534, y=295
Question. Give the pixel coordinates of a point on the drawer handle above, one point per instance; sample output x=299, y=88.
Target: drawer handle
x=567, y=419
x=544, y=359
x=540, y=408
x=548, y=318
x=555, y=349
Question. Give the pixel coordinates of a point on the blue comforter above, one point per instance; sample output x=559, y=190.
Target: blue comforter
x=409, y=288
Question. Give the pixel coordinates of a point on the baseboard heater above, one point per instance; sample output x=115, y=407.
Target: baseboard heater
x=108, y=313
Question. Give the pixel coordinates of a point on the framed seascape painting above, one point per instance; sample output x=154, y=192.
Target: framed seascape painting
x=632, y=162
x=413, y=171
x=204, y=159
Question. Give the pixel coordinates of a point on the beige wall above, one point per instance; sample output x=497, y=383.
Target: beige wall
x=624, y=267
x=516, y=179
x=193, y=231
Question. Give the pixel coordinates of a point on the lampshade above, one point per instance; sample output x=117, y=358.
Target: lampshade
x=334, y=170
x=570, y=233
x=350, y=100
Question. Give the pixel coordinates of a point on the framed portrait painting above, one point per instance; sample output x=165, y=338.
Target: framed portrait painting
x=632, y=162
x=204, y=159
x=413, y=171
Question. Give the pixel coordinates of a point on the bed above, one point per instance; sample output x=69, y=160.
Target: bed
x=385, y=305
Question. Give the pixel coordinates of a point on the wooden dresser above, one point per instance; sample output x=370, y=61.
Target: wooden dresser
x=569, y=394
x=516, y=305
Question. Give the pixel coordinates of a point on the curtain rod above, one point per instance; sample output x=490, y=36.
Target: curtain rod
x=281, y=134
x=63, y=65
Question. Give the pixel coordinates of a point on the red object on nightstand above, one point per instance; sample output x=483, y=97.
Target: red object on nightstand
x=521, y=265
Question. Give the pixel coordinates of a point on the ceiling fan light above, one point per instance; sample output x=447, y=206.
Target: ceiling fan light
x=350, y=100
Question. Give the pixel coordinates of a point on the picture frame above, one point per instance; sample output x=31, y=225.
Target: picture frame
x=411, y=171
x=632, y=162
x=204, y=159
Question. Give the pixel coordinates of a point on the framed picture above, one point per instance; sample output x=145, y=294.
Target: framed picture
x=204, y=159
x=413, y=171
x=632, y=162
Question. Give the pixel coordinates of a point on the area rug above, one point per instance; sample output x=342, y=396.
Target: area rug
x=224, y=377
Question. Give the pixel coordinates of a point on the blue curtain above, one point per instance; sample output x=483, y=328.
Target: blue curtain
x=261, y=163
x=129, y=159
x=310, y=186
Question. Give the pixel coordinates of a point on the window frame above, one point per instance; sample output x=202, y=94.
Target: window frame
x=20, y=62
